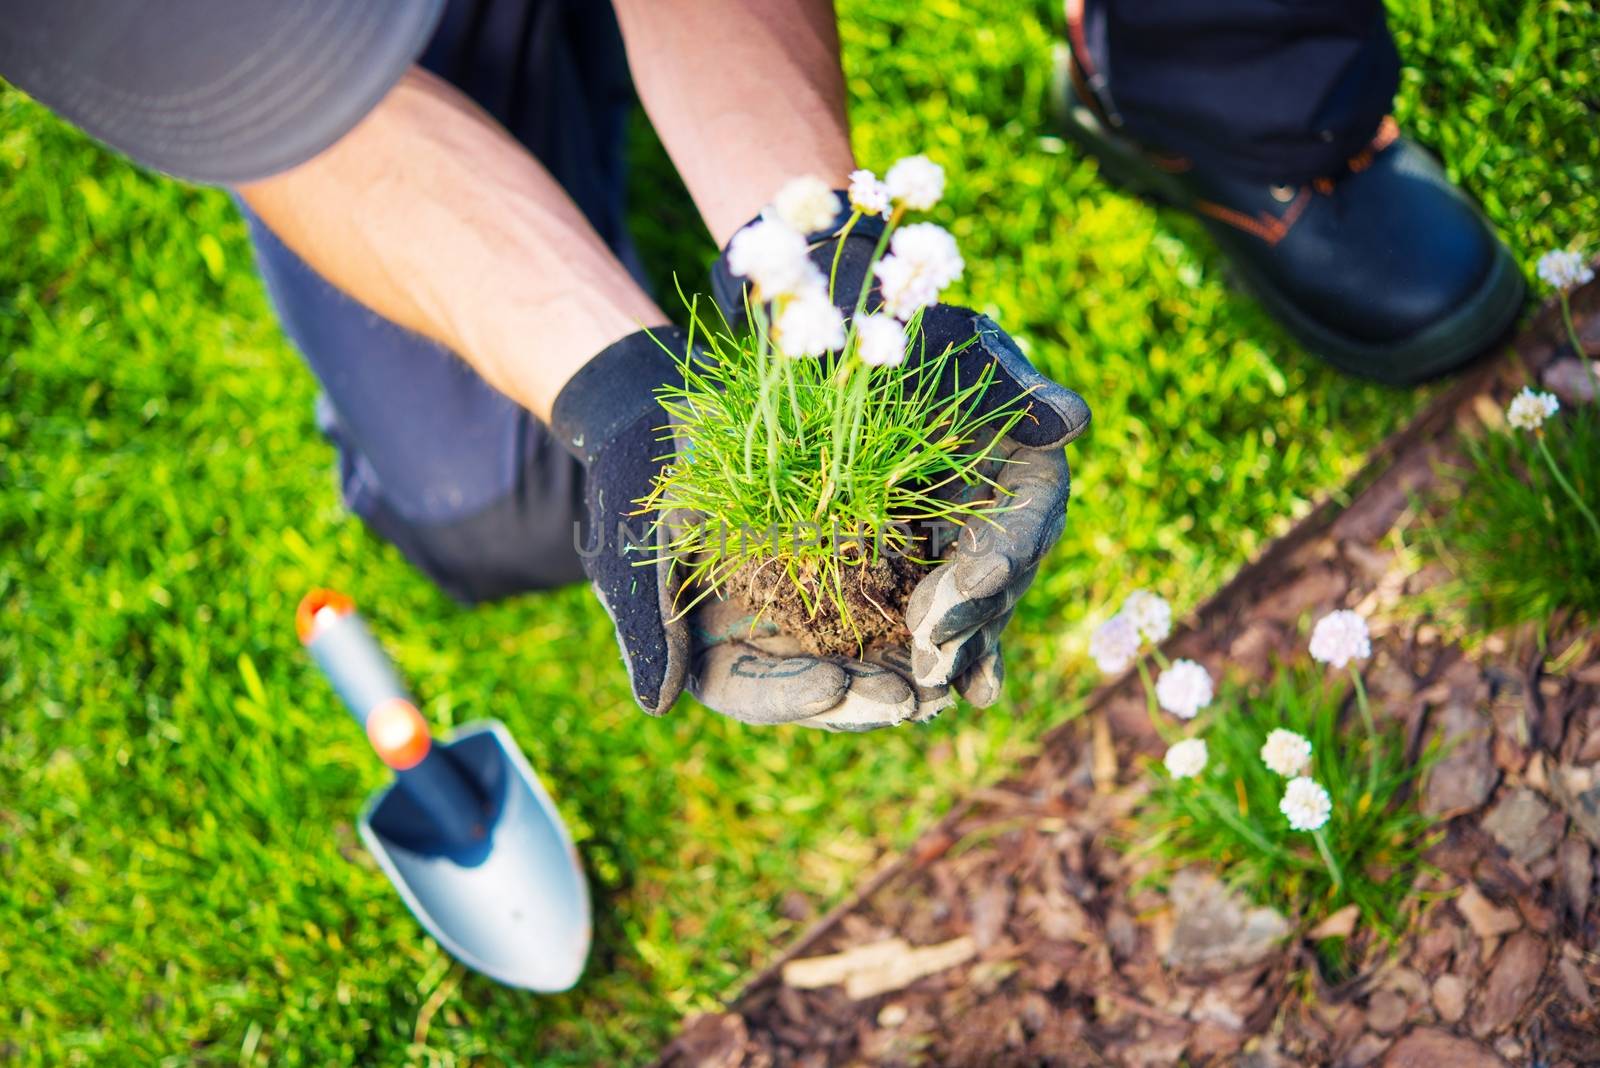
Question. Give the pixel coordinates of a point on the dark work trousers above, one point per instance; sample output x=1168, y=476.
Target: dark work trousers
x=1282, y=90
x=467, y=483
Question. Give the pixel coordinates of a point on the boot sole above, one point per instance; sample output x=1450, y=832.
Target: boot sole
x=1470, y=330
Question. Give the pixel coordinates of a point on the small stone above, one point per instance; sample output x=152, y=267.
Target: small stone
x=1578, y=790
x=1215, y=930
x=1575, y=865
x=1486, y=919
x=1516, y=973
x=1386, y=1011
x=1462, y=781
x=1519, y=823
x=1366, y=1049
x=1450, y=997
x=1570, y=380
x=1429, y=1047
x=1577, y=986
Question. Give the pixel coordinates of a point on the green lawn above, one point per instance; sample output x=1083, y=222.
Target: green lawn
x=179, y=877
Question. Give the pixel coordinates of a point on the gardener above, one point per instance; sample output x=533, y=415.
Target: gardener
x=504, y=288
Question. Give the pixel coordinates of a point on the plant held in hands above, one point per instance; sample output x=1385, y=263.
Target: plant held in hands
x=823, y=456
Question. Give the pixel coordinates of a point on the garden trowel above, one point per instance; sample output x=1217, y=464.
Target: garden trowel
x=466, y=831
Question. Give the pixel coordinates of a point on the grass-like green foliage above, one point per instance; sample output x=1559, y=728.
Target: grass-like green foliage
x=1517, y=542
x=179, y=879
x=1228, y=819
x=818, y=465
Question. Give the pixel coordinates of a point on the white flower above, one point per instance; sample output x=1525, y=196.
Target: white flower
x=1114, y=644
x=806, y=204
x=1306, y=804
x=915, y=182
x=923, y=260
x=881, y=341
x=868, y=195
x=1563, y=270
x=1528, y=410
x=773, y=255
x=1184, y=689
x=1150, y=613
x=1340, y=637
x=1186, y=759
x=809, y=325
x=1286, y=753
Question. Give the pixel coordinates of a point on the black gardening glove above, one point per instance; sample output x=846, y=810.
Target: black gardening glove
x=957, y=612
x=609, y=418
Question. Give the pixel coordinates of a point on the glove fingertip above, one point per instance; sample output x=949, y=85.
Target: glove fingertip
x=1055, y=416
x=982, y=684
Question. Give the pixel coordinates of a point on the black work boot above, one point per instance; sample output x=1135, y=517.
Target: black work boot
x=1385, y=270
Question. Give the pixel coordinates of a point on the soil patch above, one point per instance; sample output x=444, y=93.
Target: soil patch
x=874, y=595
x=1015, y=933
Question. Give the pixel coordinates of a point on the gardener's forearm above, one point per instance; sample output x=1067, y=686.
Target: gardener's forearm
x=745, y=94
x=431, y=215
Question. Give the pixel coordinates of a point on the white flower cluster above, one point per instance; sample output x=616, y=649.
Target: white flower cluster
x=1286, y=753
x=1114, y=644
x=1564, y=271
x=915, y=182
x=868, y=195
x=1306, y=804
x=1340, y=637
x=1184, y=689
x=806, y=204
x=1145, y=616
x=1150, y=613
x=1528, y=410
x=922, y=260
x=880, y=340
x=772, y=253
x=1186, y=759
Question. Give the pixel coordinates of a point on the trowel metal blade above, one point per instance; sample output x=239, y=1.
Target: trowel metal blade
x=516, y=907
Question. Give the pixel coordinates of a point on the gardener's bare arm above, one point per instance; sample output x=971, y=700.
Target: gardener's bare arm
x=430, y=214
x=745, y=94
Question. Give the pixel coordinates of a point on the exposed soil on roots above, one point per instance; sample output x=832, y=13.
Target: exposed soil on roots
x=874, y=594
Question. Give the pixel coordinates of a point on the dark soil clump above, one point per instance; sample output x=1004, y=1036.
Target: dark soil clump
x=875, y=596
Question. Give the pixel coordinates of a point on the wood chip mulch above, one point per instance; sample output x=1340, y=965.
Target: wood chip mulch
x=1013, y=933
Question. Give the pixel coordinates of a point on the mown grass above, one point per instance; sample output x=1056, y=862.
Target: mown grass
x=179, y=881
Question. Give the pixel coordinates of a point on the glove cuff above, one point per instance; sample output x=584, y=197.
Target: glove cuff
x=611, y=391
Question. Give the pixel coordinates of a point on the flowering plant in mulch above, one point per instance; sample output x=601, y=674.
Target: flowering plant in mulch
x=1287, y=788
x=817, y=447
x=1522, y=533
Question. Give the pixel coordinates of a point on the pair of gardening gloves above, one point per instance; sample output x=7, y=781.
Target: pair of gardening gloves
x=608, y=416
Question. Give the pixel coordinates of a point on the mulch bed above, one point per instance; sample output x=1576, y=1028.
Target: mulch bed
x=1039, y=948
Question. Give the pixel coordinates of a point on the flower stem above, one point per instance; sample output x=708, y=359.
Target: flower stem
x=838, y=251
x=857, y=407
x=1577, y=347
x=1328, y=861
x=1561, y=479
x=1372, y=731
